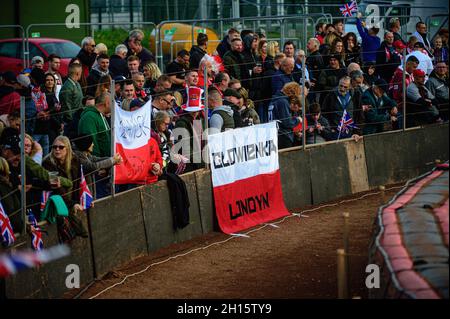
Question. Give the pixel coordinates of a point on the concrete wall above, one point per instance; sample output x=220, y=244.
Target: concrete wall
x=140, y=221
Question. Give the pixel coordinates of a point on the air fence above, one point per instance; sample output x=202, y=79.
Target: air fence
x=368, y=151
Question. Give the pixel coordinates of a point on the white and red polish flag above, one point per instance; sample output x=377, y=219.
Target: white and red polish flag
x=246, y=177
x=132, y=131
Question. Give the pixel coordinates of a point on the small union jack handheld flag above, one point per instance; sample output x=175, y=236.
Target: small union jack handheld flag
x=36, y=233
x=7, y=237
x=345, y=124
x=348, y=9
x=86, y=197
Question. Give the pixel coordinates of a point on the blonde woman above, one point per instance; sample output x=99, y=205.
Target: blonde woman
x=151, y=74
x=273, y=48
x=33, y=149
x=62, y=160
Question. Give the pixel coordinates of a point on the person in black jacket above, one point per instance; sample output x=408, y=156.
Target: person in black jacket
x=118, y=63
x=387, y=59
x=225, y=45
x=96, y=73
x=198, y=51
x=87, y=54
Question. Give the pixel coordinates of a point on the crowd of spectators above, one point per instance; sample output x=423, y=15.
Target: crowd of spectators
x=249, y=80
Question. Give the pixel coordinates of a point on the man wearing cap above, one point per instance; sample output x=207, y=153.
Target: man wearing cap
x=399, y=46
x=9, y=98
x=420, y=102
x=84, y=148
x=37, y=62
x=387, y=60
x=379, y=109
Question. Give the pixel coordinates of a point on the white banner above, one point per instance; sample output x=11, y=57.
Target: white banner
x=243, y=153
x=133, y=129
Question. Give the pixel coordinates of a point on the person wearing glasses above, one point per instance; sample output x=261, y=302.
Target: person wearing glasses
x=64, y=161
x=163, y=101
x=87, y=54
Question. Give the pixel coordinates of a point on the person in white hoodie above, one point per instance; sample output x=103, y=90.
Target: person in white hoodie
x=425, y=62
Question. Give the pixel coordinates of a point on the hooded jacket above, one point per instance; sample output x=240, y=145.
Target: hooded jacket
x=93, y=123
x=196, y=54
x=221, y=119
x=94, y=78
x=282, y=114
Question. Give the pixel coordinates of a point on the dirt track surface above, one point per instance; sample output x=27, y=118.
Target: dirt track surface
x=296, y=260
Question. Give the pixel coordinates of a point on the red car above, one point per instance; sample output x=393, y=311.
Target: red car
x=11, y=58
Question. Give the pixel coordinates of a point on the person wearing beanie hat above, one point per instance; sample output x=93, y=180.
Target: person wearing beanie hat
x=84, y=144
x=421, y=102
x=23, y=80
x=37, y=62
x=379, y=109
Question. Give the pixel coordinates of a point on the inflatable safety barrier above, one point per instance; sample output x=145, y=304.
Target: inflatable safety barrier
x=411, y=243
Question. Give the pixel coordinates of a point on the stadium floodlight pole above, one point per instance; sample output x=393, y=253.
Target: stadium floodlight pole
x=205, y=77
x=112, y=132
x=404, y=89
x=23, y=195
x=303, y=103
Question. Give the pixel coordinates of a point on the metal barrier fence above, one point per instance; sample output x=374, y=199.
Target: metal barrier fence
x=282, y=20
x=27, y=31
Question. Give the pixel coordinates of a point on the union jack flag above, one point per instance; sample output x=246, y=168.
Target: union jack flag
x=346, y=123
x=45, y=195
x=348, y=9
x=7, y=237
x=36, y=233
x=19, y=260
x=86, y=197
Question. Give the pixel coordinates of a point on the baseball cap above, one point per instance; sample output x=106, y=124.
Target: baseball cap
x=12, y=143
x=418, y=72
x=119, y=78
x=23, y=80
x=232, y=92
x=37, y=59
x=382, y=84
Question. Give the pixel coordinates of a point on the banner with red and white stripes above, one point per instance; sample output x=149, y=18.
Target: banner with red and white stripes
x=132, y=142
x=246, y=177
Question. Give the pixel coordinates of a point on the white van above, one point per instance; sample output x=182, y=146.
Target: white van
x=433, y=12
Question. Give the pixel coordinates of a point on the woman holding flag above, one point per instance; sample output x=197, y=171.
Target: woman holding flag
x=63, y=160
